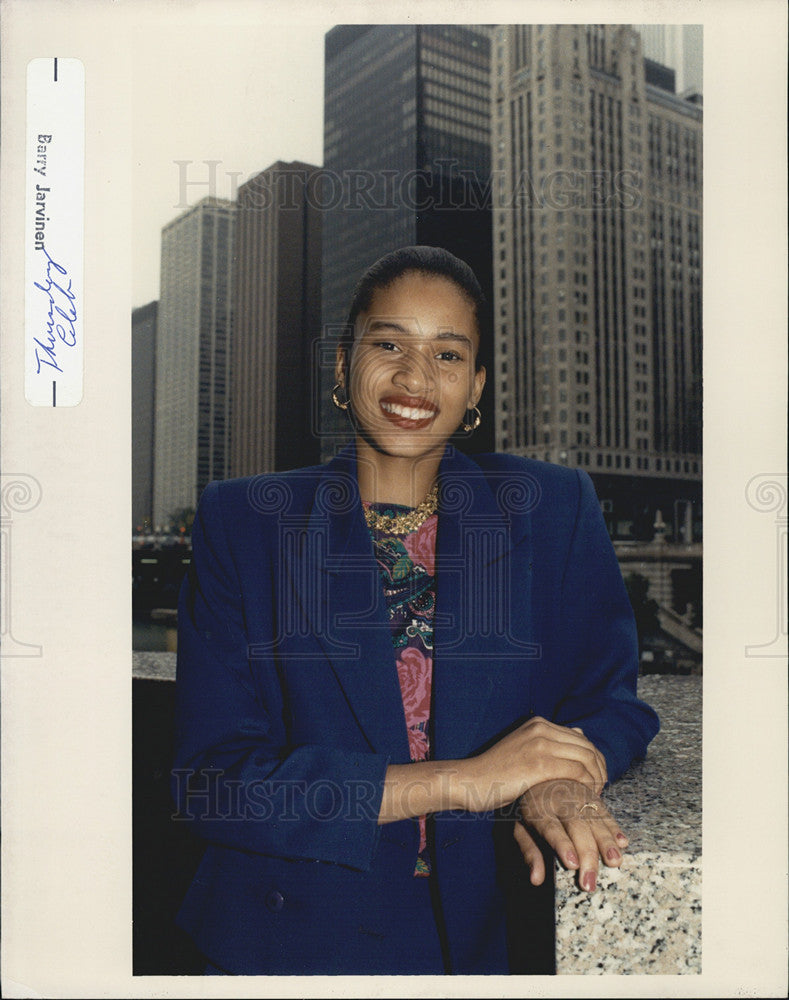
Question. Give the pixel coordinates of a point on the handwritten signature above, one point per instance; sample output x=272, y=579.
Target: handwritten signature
x=60, y=320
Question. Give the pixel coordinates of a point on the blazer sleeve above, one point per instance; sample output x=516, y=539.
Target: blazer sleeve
x=235, y=776
x=600, y=644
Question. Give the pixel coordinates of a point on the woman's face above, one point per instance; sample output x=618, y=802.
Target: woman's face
x=412, y=367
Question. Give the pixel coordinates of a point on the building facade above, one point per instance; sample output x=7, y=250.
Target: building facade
x=597, y=266
x=143, y=410
x=406, y=161
x=276, y=321
x=191, y=440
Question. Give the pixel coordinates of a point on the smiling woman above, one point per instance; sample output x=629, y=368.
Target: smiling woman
x=411, y=378
x=400, y=673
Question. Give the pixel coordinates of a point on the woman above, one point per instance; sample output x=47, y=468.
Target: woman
x=381, y=661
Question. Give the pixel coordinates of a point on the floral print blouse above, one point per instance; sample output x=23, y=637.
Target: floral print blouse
x=407, y=568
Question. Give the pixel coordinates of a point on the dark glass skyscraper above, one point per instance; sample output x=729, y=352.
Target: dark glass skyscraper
x=276, y=319
x=407, y=160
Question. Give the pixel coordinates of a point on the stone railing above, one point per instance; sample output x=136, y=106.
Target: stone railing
x=644, y=917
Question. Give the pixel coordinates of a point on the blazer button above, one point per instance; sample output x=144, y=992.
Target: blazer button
x=275, y=901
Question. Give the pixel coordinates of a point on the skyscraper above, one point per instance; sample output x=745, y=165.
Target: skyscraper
x=597, y=243
x=406, y=158
x=143, y=403
x=194, y=325
x=276, y=321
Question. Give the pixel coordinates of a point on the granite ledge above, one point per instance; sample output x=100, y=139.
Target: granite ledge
x=645, y=917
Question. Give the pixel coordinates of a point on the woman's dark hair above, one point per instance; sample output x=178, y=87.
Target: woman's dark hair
x=420, y=260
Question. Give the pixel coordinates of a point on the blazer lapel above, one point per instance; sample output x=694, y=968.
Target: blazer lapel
x=483, y=615
x=339, y=587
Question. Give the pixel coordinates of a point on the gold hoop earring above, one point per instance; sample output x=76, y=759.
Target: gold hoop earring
x=476, y=417
x=335, y=399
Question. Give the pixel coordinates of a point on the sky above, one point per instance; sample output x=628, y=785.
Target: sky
x=246, y=95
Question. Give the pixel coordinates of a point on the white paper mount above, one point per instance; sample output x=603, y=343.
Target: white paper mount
x=54, y=232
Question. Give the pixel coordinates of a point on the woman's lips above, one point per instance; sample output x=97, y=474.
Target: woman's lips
x=411, y=413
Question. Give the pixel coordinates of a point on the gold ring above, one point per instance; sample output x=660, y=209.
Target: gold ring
x=587, y=805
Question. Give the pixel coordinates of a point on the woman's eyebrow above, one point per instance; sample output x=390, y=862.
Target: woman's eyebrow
x=375, y=325
x=452, y=335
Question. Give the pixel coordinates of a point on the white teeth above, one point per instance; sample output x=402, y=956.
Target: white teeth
x=407, y=411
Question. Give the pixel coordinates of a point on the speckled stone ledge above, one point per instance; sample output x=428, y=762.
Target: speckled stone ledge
x=153, y=666
x=644, y=918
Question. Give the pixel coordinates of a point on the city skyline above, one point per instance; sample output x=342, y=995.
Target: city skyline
x=409, y=100
x=437, y=109
x=170, y=171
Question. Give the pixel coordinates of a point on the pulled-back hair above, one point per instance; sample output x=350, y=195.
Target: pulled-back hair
x=431, y=261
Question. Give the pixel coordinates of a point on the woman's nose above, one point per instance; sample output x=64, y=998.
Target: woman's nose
x=414, y=374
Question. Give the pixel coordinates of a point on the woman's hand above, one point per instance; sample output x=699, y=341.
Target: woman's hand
x=575, y=823
x=536, y=752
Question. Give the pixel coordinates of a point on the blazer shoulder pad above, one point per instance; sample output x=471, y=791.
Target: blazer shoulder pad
x=267, y=494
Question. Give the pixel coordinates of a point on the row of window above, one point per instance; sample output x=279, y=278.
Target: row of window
x=608, y=461
x=438, y=98
x=431, y=58
x=460, y=82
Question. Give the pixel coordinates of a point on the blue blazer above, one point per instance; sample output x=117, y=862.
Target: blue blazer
x=289, y=708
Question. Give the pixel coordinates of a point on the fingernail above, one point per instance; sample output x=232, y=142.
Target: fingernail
x=590, y=881
x=613, y=854
x=621, y=838
x=572, y=858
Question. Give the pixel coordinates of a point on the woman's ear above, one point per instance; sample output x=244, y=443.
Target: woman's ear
x=479, y=384
x=340, y=366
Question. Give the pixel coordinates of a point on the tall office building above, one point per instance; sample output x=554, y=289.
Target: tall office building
x=143, y=401
x=597, y=244
x=276, y=321
x=191, y=445
x=406, y=160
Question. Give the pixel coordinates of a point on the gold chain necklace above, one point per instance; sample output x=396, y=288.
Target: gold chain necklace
x=402, y=524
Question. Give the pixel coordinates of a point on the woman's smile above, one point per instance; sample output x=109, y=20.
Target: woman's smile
x=410, y=413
